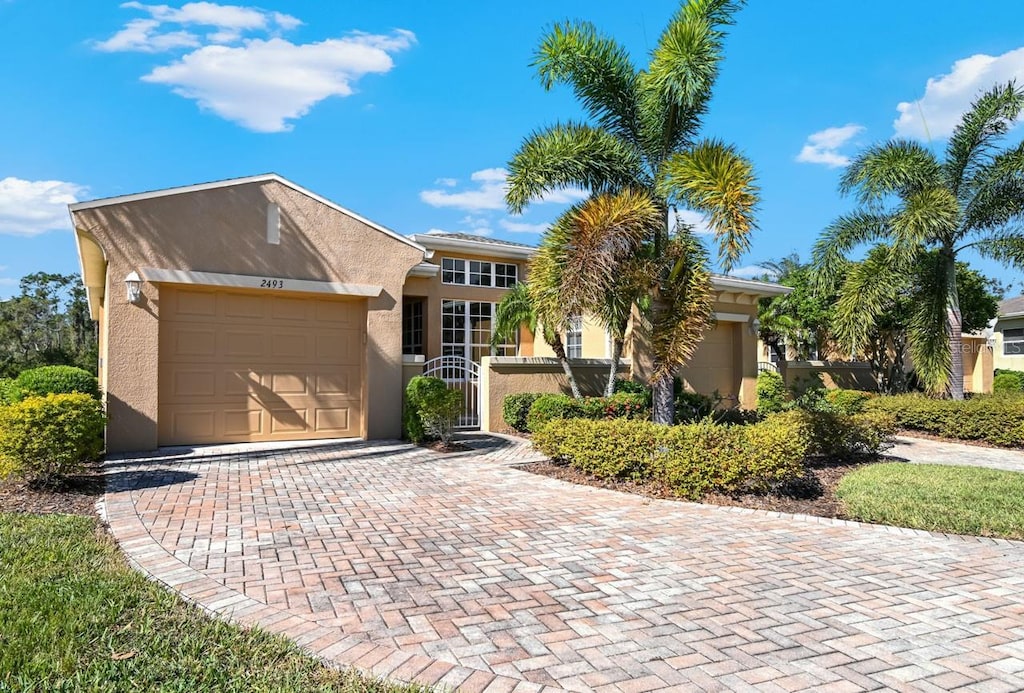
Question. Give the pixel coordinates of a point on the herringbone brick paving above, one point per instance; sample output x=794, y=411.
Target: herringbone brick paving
x=465, y=572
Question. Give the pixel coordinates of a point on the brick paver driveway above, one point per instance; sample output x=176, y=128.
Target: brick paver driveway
x=465, y=571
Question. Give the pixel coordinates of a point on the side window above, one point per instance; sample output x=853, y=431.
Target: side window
x=453, y=271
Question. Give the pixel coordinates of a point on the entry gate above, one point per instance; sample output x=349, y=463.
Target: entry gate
x=460, y=374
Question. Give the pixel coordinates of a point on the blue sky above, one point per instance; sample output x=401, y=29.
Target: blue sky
x=406, y=112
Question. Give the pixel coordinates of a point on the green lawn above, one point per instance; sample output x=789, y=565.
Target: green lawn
x=74, y=616
x=938, y=498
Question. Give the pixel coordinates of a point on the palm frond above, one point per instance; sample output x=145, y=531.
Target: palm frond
x=514, y=310
x=898, y=167
x=677, y=84
x=998, y=192
x=715, y=179
x=1006, y=246
x=928, y=330
x=927, y=216
x=571, y=155
x=597, y=68
x=868, y=291
x=841, y=237
x=970, y=146
x=682, y=306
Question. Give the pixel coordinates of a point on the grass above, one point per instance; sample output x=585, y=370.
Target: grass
x=938, y=498
x=74, y=616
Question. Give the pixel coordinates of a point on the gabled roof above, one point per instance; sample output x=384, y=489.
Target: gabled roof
x=232, y=182
x=1012, y=307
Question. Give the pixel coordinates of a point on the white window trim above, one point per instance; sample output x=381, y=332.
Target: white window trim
x=467, y=344
x=574, y=327
x=465, y=271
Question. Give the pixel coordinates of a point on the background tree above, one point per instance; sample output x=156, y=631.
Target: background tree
x=801, y=319
x=642, y=134
x=974, y=198
x=47, y=323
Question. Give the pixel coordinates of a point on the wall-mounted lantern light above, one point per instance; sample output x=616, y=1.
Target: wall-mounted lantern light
x=755, y=326
x=133, y=283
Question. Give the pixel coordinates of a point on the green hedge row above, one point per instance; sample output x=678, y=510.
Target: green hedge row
x=998, y=420
x=45, y=438
x=47, y=380
x=530, y=411
x=693, y=459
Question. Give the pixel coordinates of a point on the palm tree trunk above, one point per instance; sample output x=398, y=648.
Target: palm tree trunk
x=617, y=346
x=559, y=348
x=954, y=324
x=662, y=388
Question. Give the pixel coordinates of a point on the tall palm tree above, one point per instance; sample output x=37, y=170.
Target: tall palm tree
x=516, y=309
x=642, y=134
x=974, y=198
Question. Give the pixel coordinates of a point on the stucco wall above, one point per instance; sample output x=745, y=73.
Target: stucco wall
x=502, y=376
x=223, y=230
x=1014, y=362
x=849, y=375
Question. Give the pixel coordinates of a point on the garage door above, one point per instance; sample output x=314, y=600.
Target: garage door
x=237, y=366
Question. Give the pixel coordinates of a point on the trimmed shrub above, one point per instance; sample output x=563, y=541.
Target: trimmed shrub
x=43, y=439
x=838, y=436
x=515, y=408
x=847, y=401
x=1006, y=383
x=431, y=409
x=47, y=380
x=622, y=405
x=549, y=407
x=998, y=420
x=771, y=393
x=634, y=387
x=1019, y=375
x=9, y=391
x=691, y=459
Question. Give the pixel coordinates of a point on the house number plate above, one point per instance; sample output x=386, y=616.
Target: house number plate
x=271, y=283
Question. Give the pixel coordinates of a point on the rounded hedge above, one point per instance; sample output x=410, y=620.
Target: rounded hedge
x=57, y=380
x=43, y=439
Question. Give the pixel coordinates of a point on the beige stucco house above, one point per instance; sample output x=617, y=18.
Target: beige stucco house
x=1008, y=335
x=266, y=312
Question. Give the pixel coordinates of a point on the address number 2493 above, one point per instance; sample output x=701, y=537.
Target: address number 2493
x=271, y=283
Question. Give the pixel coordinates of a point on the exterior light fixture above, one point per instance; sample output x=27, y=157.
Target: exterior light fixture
x=133, y=284
x=755, y=326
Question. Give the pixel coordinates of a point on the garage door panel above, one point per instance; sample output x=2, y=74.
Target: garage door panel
x=247, y=423
x=343, y=382
x=337, y=420
x=238, y=366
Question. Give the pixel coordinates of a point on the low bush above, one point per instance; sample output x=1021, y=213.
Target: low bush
x=56, y=380
x=847, y=401
x=621, y=405
x=1019, y=375
x=841, y=436
x=998, y=420
x=690, y=459
x=771, y=393
x=431, y=409
x=633, y=387
x=516, y=407
x=1006, y=383
x=43, y=439
x=692, y=406
x=9, y=391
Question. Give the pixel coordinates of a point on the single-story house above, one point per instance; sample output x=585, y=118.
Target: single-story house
x=253, y=309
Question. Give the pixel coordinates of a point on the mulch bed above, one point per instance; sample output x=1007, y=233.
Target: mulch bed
x=77, y=495
x=812, y=494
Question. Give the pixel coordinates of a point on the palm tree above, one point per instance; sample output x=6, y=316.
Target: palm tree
x=642, y=135
x=592, y=262
x=910, y=199
x=518, y=309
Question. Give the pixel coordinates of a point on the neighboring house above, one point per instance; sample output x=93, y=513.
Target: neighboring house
x=1008, y=335
x=263, y=311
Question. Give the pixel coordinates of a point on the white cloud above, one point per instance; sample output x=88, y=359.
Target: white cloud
x=447, y=182
x=695, y=220
x=823, y=147
x=264, y=83
x=750, y=272
x=523, y=227
x=474, y=232
x=947, y=96
x=29, y=208
x=490, y=193
x=260, y=81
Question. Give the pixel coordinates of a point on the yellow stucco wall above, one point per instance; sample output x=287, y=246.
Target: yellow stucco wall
x=223, y=230
x=1014, y=362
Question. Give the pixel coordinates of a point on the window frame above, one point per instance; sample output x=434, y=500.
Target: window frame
x=574, y=337
x=1014, y=336
x=486, y=271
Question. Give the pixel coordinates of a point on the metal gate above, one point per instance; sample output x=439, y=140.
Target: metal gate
x=463, y=375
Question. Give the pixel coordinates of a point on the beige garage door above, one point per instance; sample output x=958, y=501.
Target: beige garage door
x=238, y=366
